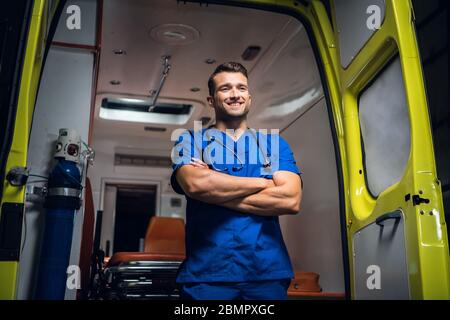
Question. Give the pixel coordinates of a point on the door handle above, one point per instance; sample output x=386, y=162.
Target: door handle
x=387, y=216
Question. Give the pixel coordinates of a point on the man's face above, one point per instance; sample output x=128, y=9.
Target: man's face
x=231, y=97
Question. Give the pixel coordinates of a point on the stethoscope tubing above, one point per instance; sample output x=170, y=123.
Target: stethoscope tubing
x=266, y=163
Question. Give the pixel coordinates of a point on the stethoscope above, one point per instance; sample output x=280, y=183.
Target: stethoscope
x=266, y=163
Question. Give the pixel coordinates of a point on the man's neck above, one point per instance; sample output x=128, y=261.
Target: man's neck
x=238, y=126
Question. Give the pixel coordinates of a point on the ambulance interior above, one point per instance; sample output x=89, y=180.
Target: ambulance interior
x=130, y=177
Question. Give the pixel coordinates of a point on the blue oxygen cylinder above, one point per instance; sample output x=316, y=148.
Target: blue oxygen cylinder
x=63, y=199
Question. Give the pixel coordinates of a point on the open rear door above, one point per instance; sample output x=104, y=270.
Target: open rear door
x=397, y=238
x=23, y=33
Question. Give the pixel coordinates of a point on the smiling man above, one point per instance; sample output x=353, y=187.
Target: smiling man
x=234, y=245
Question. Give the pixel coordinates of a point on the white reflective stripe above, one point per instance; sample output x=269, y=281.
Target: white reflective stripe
x=67, y=192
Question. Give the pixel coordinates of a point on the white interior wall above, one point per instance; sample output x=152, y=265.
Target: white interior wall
x=63, y=102
x=313, y=236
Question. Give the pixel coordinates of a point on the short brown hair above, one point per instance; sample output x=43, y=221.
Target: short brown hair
x=225, y=67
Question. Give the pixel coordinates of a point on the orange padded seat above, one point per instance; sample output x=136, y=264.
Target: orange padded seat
x=305, y=282
x=164, y=240
x=305, y=285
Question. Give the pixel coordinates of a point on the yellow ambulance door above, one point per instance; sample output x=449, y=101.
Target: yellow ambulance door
x=24, y=28
x=397, y=238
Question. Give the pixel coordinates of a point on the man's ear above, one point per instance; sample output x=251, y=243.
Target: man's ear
x=210, y=101
x=249, y=100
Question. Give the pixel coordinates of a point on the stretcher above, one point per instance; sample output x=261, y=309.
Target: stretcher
x=150, y=274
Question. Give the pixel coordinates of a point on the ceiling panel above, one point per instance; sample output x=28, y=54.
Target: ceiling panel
x=284, y=80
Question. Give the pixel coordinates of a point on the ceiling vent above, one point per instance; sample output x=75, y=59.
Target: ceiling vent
x=141, y=161
x=154, y=129
x=250, y=53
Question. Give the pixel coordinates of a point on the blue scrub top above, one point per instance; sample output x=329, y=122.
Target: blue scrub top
x=223, y=244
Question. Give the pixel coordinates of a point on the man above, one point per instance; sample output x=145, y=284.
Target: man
x=234, y=245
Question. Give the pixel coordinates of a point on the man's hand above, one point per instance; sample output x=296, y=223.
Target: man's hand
x=283, y=198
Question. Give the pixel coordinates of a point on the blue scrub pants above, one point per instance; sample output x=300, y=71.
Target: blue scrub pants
x=252, y=290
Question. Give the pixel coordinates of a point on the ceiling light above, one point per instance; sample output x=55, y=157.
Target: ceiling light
x=195, y=89
x=131, y=100
x=291, y=107
x=115, y=82
x=210, y=61
x=174, y=34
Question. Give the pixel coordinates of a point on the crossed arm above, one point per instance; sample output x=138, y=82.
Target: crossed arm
x=267, y=197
